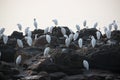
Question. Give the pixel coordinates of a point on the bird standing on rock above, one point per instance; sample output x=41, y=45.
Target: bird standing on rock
x=80, y=42
x=19, y=26
x=48, y=38
x=86, y=64
x=18, y=60
x=35, y=23
x=55, y=22
x=93, y=41
x=46, y=52
x=20, y=43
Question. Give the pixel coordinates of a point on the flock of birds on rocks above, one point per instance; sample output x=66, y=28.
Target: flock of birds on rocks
x=72, y=36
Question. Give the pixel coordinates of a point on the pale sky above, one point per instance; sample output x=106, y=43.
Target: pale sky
x=67, y=12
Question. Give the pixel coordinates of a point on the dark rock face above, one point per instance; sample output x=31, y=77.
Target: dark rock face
x=115, y=35
x=41, y=41
x=8, y=53
x=17, y=35
x=106, y=58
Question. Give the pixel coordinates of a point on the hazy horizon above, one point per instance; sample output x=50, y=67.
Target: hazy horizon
x=67, y=12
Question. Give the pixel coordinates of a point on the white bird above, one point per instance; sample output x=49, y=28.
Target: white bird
x=35, y=23
x=26, y=30
x=55, y=22
x=105, y=29
x=46, y=30
x=29, y=33
x=48, y=38
x=110, y=26
x=75, y=36
x=86, y=64
x=18, y=60
x=50, y=29
x=5, y=39
x=80, y=42
x=46, y=52
x=20, y=43
x=78, y=27
x=63, y=31
x=67, y=42
x=71, y=36
x=93, y=41
x=95, y=25
x=98, y=34
x=84, y=23
x=108, y=34
x=65, y=36
x=29, y=40
x=115, y=25
x=2, y=30
x=19, y=26
x=36, y=36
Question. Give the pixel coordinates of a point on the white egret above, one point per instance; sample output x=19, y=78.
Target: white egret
x=46, y=30
x=48, y=38
x=80, y=42
x=95, y=25
x=115, y=25
x=2, y=30
x=19, y=26
x=36, y=36
x=93, y=41
x=67, y=42
x=29, y=33
x=110, y=26
x=75, y=36
x=86, y=64
x=20, y=43
x=78, y=27
x=18, y=60
x=105, y=29
x=63, y=31
x=26, y=30
x=84, y=23
x=98, y=34
x=71, y=36
x=50, y=29
x=108, y=34
x=35, y=23
x=55, y=22
x=65, y=36
x=5, y=39
x=46, y=52
x=29, y=40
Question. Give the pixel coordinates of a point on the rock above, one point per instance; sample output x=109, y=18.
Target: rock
x=2, y=76
x=107, y=57
x=115, y=35
x=17, y=35
x=8, y=53
x=57, y=75
x=41, y=42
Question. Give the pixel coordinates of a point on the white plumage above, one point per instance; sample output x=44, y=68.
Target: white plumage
x=95, y=25
x=26, y=30
x=78, y=27
x=105, y=29
x=48, y=38
x=65, y=36
x=67, y=42
x=46, y=52
x=19, y=26
x=29, y=40
x=80, y=42
x=46, y=30
x=93, y=41
x=55, y=21
x=110, y=26
x=98, y=34
x=75, y=36
x=50, y=29
x=115, y=25
x=86, y=64
x=84, y=23
x=18, y=60
x=20, y=43
x=35, y=23
x=5, y=39
x=29, y=33
x=108, y=34
x=63, y=31
x=36, y=36
x=2, y=30
x=71, y=36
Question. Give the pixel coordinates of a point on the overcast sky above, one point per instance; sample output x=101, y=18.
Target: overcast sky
x=68, y=12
